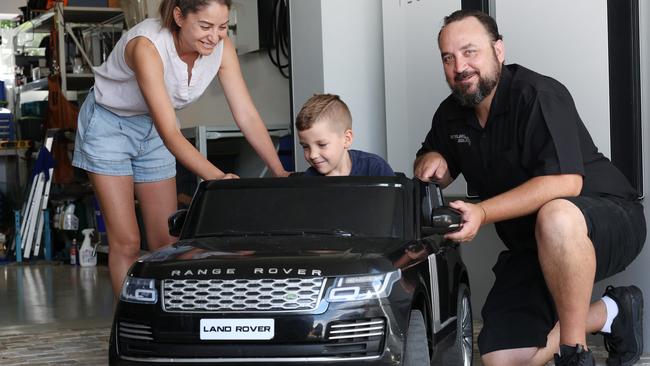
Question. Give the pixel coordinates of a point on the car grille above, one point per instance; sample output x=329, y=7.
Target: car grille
x=135, y=331
x=243, y=295
x=359, y=329
x=356, y=338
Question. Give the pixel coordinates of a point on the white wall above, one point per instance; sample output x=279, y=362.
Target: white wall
x=566, y=40
x=344, y=58
x=268, y=88
x=306, y=59
x=353, y=67
x=11, y=6
x=415, y=82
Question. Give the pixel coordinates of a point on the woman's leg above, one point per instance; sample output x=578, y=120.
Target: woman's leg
x=116, y=200
x=157, y=202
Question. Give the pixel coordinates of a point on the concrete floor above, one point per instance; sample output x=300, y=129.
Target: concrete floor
x=54, y=314
x=57, y=314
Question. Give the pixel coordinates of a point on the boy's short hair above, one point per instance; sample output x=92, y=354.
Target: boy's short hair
x=324, y=107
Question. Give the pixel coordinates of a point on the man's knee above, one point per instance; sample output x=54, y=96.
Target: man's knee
x=510, y=357
x=559, y=219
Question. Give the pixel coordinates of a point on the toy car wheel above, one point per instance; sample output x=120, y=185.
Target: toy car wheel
x=461, y=353
x=112, y=351
x=416, y=352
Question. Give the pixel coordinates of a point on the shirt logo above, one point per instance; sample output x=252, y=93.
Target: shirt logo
x=461, y=138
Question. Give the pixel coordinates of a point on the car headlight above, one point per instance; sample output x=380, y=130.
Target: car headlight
x=139, y=290
x=373, y=286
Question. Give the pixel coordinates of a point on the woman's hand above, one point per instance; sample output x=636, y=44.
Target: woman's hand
x=229, y=176
x=282, y=174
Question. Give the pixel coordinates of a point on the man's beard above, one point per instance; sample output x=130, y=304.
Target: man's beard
x=485, y=87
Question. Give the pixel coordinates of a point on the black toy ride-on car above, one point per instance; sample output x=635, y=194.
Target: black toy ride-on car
x=301, y=271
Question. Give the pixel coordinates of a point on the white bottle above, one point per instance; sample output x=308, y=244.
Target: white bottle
x=56, y=220
x=70, y=220
x=87, y=254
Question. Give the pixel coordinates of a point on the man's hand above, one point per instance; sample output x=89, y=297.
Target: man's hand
x=432, y=167
x=473, y=217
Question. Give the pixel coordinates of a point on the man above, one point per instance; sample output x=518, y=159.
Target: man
x=567, y=216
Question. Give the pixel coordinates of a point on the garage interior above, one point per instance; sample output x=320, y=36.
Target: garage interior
x=53, y=312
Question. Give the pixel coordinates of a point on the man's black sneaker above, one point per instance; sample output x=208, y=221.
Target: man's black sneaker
x=574, y=356
x=625, y=343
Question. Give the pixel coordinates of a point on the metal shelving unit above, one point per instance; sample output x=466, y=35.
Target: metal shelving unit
x=65, y=18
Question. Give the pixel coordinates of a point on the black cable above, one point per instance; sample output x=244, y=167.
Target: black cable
x=279, y=37
x=274, y=35
x=284, y=31
x=283, y=36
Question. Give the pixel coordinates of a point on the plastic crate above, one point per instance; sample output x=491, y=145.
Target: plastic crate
x=35, y=109
x=31, y=128
x=7, y=128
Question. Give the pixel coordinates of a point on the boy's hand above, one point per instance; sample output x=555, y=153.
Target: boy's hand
x=230, y=176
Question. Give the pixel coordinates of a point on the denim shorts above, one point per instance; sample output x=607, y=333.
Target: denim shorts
x=110, y=144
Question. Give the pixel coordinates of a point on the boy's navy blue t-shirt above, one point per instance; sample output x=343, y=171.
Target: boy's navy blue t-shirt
x=363, y=164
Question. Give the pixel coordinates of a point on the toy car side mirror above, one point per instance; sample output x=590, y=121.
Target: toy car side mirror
x=175, y=222
x=446, y=219
x=443, y=220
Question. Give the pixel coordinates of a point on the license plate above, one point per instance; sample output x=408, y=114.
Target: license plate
x=237, y=329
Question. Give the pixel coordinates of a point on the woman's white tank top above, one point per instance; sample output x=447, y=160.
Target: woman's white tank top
x=117, y=89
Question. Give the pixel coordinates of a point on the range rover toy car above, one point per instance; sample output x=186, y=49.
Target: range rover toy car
x=301, y=271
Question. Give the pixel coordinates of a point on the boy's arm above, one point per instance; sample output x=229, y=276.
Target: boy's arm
x=380, y=167
x=386, y=169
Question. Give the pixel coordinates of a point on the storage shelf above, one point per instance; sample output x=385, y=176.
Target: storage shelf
x=13, y=152
x=71, y=14
x=39, y=84
x=80, y=81
x=93, y=19
x=75, y=82
x=89, y=14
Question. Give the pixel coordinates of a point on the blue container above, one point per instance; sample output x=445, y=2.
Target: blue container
x=3, y=91
x=37, y=108
x=7, y=129
x=94, y=3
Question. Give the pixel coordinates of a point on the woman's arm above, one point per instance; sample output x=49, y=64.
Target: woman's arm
x=143, y=58
x=244, y=111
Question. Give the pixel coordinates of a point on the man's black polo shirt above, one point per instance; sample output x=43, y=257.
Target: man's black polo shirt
x=533, y=129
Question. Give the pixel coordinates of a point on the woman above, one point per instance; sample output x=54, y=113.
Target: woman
x=128, y=136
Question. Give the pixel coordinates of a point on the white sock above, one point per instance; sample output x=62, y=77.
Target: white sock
x=612, y=311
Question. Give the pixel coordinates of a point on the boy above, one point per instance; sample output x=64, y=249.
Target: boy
x=324, y=127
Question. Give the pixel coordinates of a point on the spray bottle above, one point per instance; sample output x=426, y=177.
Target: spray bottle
x=87, y=254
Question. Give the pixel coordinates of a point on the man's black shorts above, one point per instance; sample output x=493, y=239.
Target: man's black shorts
x=519, y=311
